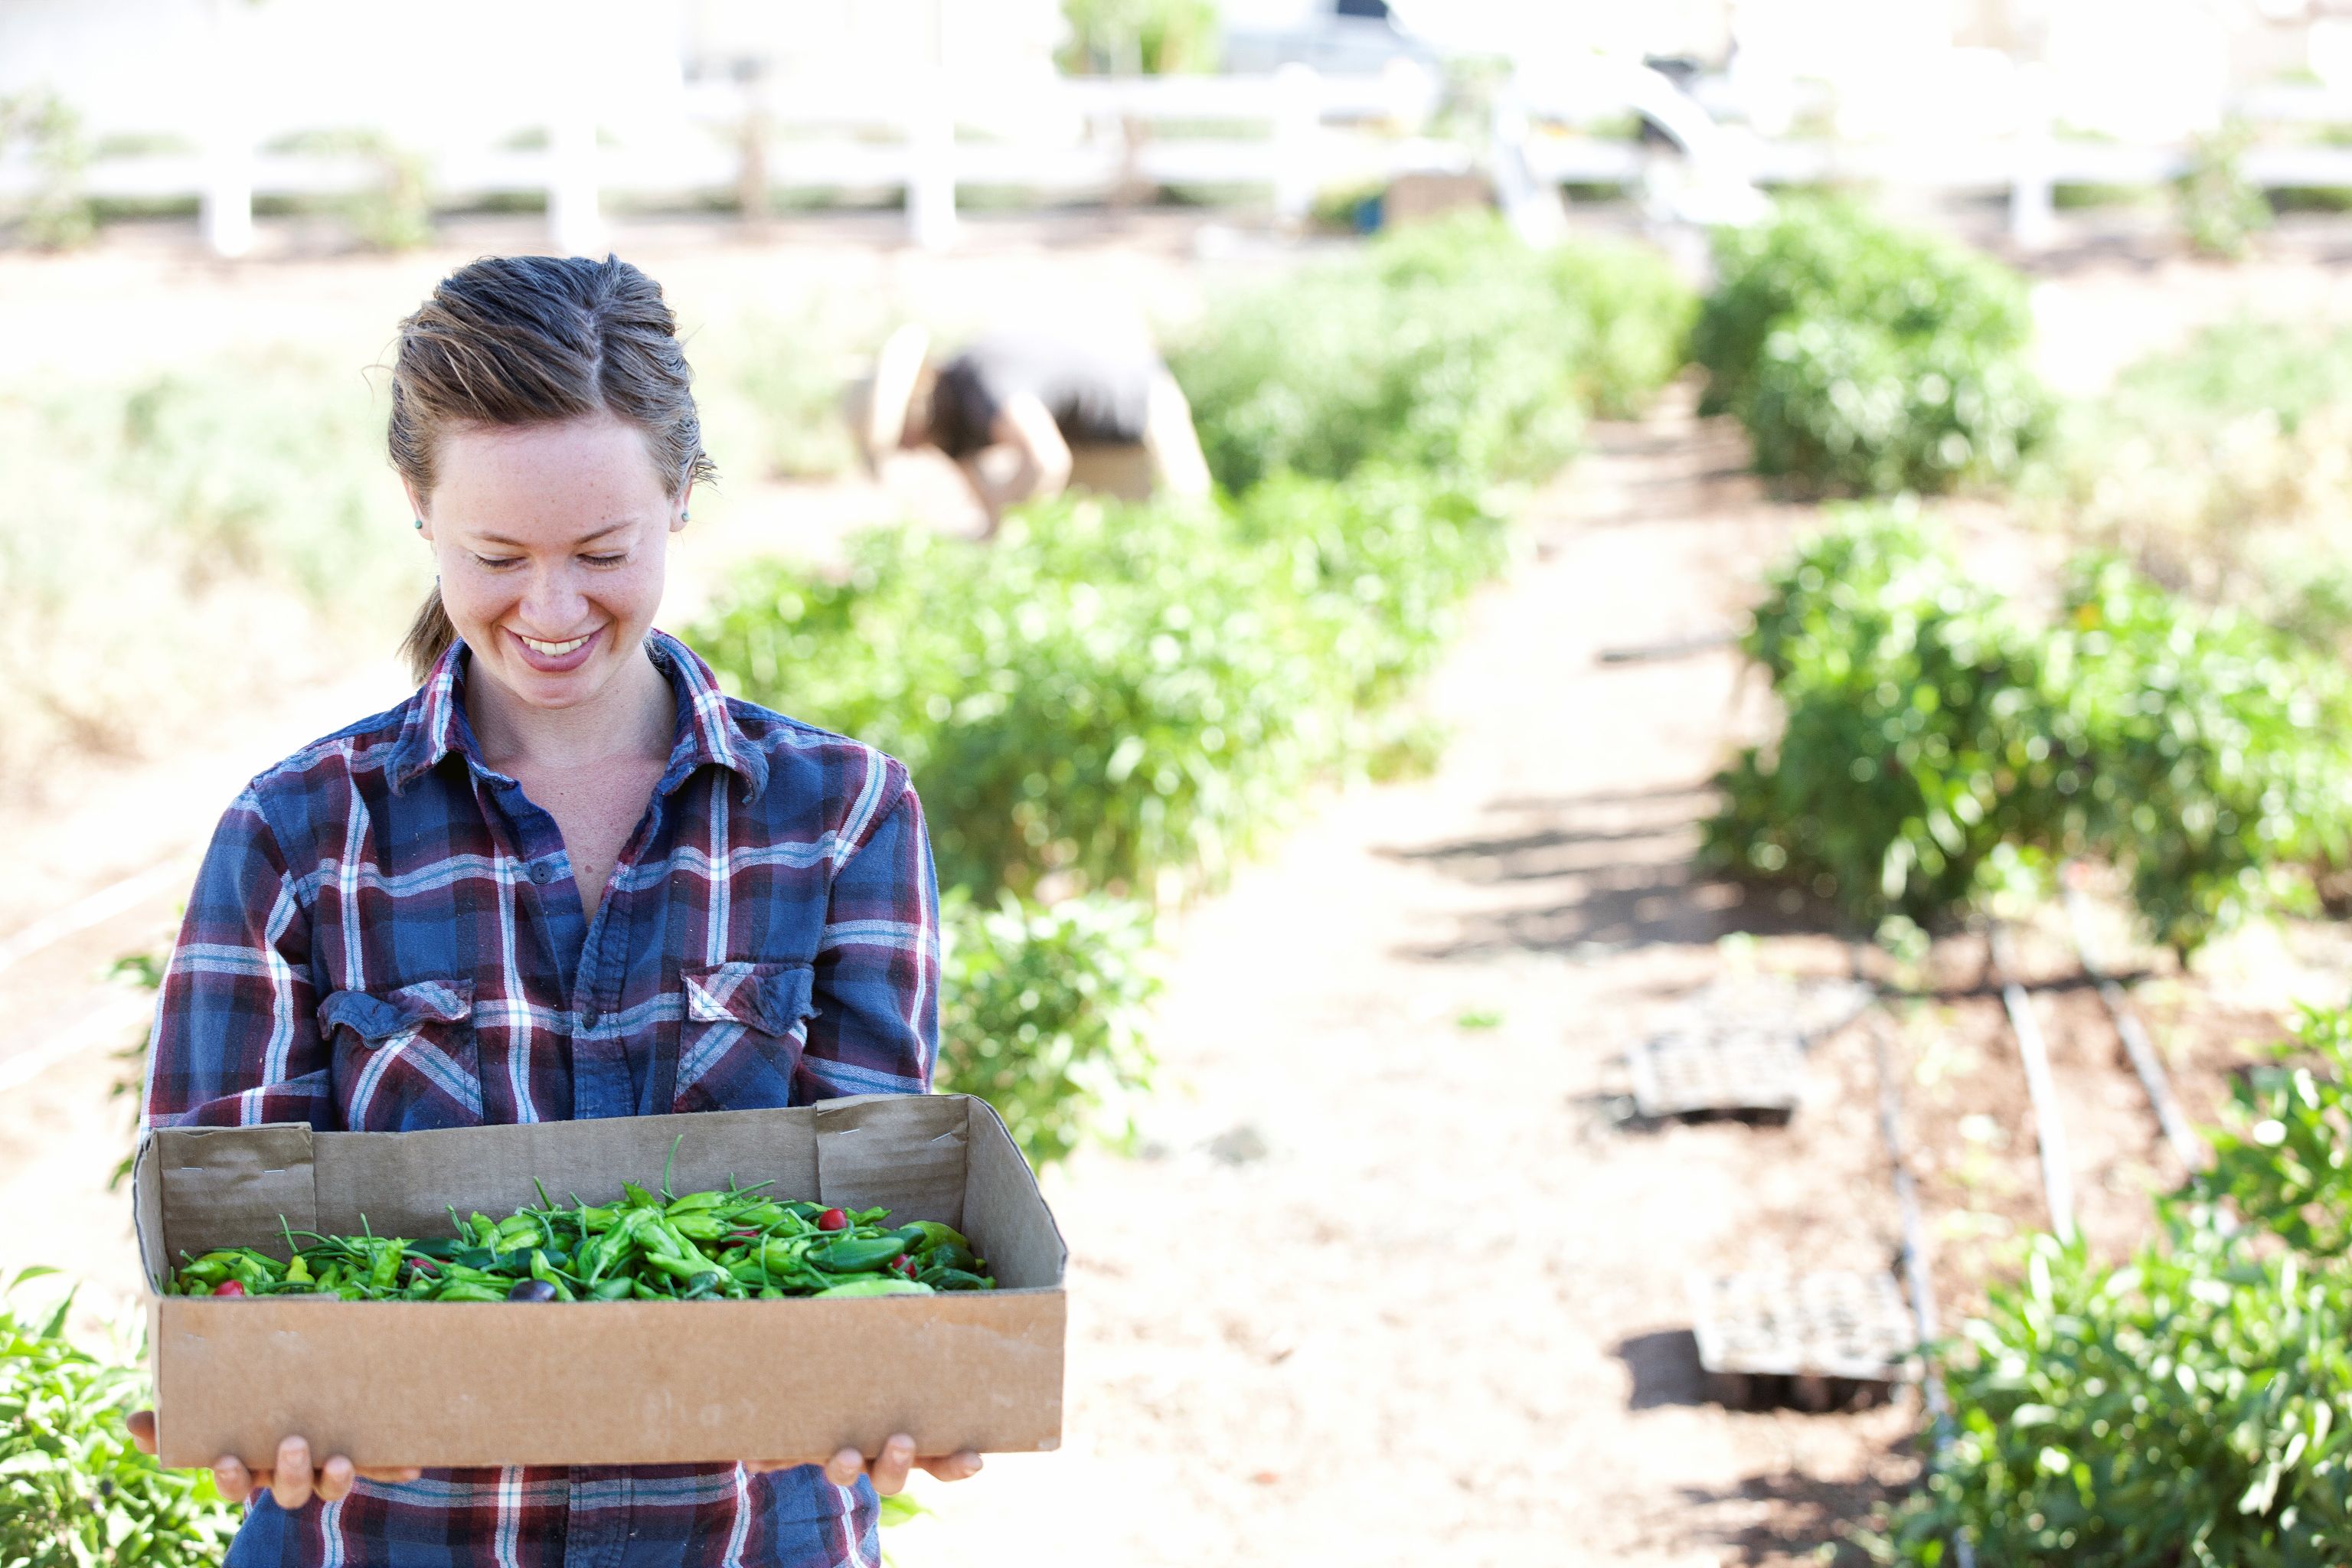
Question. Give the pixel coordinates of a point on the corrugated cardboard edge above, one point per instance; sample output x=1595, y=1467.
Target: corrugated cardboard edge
x=262, y=1173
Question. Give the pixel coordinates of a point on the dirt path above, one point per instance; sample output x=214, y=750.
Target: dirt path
x=1383, y=1290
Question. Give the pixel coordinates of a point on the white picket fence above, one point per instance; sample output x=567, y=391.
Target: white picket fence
x=1288, y=134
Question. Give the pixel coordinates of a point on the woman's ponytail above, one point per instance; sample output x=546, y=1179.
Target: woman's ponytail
x=429, y=637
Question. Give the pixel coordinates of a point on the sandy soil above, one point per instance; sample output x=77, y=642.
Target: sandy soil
x=1384, y=1282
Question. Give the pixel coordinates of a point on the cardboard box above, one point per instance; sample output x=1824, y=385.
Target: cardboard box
x=619, y=1383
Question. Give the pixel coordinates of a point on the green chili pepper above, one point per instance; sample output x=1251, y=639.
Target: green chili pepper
x=521, y=1231
x=385, y=1268
x=934, y=1233
x=857, y=1253
x=541, y=1270
x=467, y=1290
x=611, y=1290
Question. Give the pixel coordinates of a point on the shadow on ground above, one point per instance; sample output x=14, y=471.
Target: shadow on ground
x=1790, y=1518
x=1602, y=872
x=1664, y=1366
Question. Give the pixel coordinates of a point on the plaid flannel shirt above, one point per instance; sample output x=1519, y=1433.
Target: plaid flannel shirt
x=386, y=935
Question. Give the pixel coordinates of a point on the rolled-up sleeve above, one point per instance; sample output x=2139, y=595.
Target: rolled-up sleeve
x=876, y=1028
x=236, y=1038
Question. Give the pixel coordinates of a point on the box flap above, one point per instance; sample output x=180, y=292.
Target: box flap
x=405, y=1183
x=229, y=1186
x=1003, y=1214
x=901, y=1152
x=147, y=1213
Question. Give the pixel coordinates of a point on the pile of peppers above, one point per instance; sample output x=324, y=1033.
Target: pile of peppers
x=733, y=1244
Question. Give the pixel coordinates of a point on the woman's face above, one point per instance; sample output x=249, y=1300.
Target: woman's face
x=550, y=541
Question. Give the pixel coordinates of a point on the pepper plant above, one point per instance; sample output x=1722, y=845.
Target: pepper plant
x=1934, y=741
x=74, y=1492
x=2193, y=1405
x=1865, y=359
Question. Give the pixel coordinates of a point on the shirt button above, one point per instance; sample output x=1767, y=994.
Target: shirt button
x=590, y=1018
x=541, y=872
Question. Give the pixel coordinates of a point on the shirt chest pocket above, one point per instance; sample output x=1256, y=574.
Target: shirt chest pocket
x=740, y=1040
x=405, y=1059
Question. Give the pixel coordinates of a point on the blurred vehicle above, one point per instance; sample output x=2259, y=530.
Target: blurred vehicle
x=1337, y=38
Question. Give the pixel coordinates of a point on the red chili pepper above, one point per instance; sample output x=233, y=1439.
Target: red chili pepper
x=743, y=1236
x=903, y=1264
x=423, y=1265
x=229, y=1288
x=833, y=1219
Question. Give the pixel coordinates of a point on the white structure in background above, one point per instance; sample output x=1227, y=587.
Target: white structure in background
x=1707, y=179
x=589, y=102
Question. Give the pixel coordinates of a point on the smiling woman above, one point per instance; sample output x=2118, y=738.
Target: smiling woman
x=569, y=877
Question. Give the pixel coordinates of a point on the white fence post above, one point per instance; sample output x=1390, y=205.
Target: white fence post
x=930, y=168
x=226, y=205
x=574, y=225
x=2032, y=205
x=1530, y=203
x=1298, y=130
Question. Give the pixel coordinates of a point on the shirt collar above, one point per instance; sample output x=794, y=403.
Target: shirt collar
x=707, y=734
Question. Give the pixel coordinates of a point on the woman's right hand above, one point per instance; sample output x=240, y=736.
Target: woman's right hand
x=292, y=1481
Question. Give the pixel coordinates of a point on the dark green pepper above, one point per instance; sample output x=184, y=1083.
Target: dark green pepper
x=853, y=1255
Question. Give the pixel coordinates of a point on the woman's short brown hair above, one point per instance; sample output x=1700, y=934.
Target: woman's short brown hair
x=529, y=340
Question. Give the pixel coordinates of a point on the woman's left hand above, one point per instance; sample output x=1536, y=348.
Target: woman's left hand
x=889, y=1469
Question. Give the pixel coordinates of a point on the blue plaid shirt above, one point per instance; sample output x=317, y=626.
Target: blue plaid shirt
x=386, y=935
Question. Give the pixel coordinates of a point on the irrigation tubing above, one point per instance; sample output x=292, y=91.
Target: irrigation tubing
x=2049, y=1129
x=1915, y=1281
x=2136, y=1045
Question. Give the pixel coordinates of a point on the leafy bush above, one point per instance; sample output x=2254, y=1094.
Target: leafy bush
x=1849, y=406
x=1934, y=744
x=1115, y=693
x=1865, y=359
x=2195, y=1404
x=2216, y=751
x=1040, y=1012
x=1451, y=347
x=1895, y=777
x=1111, y=699
x=73, y=1489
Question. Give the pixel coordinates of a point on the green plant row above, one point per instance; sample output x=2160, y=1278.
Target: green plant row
x=1935, y=744
x=1868, y=360
x=1449, y=347
x=74, y=1492
x=1113, y=701
x=2194, y=1404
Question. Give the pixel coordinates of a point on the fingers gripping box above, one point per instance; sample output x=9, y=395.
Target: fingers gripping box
x=445, y=1384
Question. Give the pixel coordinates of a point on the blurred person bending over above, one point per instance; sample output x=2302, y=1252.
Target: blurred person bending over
x=1029, y=412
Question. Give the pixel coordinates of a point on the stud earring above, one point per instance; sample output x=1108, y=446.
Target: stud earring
x=420, y=525
x=685, y=516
